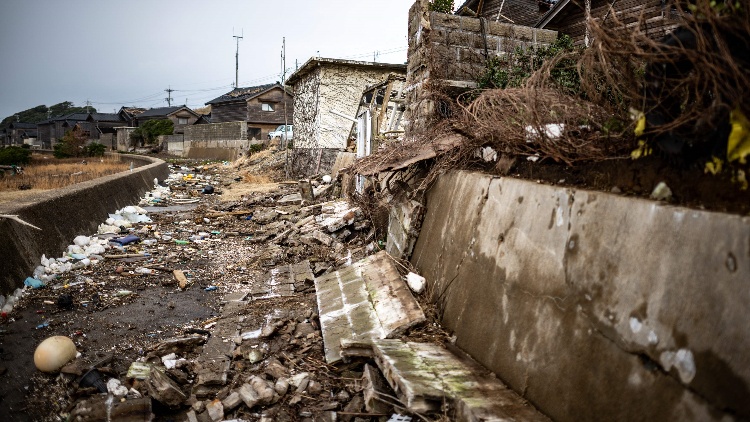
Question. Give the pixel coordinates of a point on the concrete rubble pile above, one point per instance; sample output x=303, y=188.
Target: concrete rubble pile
x=303, y=316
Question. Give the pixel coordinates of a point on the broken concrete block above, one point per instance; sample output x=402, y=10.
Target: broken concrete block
x=337, y=215
x=426, y=375
x=316, y=237
x=306, y=190
x=275, y=369
x=191, y=416
x=231, y=401
x=300, y=381
x=265, y=391
x=248, y=395
x=265, y=216
x=404, y=224
x=367, y=300
x=281, y=386
x=215, y=410
x=376, y=387
x=162, y=389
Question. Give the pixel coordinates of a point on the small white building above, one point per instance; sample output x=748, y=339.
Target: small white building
x=327, y=94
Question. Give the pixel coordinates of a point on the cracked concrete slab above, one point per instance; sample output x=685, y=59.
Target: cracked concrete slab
x=367, y=300
x=426, y=376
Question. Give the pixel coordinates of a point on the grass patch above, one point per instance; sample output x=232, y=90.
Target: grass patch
x=46, y=173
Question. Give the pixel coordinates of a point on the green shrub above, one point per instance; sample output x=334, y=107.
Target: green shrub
x=442, y=6
x=513, y=69
x=14, y=155
x=73, y=144
x=255, y=148
x=95, y=149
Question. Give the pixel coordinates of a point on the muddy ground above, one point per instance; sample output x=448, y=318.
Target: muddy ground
x=119, y=315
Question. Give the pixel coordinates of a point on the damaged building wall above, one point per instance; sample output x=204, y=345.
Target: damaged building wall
x=219, y=141
x=448, y=53
x=306, y=118
x=341, y=90
x=579, y=300
x=324, y=90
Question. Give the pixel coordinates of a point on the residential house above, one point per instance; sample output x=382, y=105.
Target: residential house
x=569, y=17
x=181, y=116
x=516, y=12
x=382, y=106
x=327, y=93
x=263, y=107
x=657, y=17
x=53, y=130
x=19, y=133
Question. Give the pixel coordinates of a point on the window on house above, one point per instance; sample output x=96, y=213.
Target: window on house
x=266, y=106
x=182, y=120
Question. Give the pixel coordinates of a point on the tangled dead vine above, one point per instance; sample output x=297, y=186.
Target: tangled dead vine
x=685, y=85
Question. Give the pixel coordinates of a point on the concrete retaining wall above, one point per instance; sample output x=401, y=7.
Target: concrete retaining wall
x=215, y=150
x=65, y=213
x=593, y=306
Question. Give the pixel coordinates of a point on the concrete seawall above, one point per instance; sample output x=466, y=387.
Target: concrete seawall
x=593, y=306
x=65, y=213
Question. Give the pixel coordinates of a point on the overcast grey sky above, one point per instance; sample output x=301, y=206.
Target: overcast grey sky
x=116, y=53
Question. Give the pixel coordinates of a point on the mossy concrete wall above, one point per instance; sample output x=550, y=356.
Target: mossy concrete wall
x=62, y=214
x=593, y=306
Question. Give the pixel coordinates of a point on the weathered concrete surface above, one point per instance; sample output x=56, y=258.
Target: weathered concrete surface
x=65, y=213
x=404, y=222
x=365, y=301
x=593, y=305
x=425, y=376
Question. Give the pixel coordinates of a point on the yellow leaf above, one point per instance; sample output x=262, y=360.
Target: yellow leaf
x=642, y=150
x=738, y=144
x=640, y=126
x=713, y=166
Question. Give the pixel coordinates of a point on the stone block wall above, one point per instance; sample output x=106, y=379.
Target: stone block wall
x=448, y=53
x=217, y=132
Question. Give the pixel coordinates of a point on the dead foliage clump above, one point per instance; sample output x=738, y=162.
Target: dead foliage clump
x=543, y=123
x=687, y=84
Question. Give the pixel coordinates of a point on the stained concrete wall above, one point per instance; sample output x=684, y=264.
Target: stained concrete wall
x=65, y=213
x=591, y=305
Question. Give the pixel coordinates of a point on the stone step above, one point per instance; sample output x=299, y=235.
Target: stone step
x=426, y=375
x=367, y=300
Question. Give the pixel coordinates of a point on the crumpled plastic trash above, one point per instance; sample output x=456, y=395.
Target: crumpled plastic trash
x=33, y=283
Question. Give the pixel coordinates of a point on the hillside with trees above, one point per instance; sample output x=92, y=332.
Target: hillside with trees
x=42, y=113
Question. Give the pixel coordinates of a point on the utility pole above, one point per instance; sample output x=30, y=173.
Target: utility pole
x=285, y=141
x=88, y=104
x=169, y=96
x=237, y=59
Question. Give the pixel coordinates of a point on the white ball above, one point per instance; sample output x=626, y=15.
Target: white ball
x=53, y=353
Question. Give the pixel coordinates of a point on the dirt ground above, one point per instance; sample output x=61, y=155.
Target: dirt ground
x=119, y=316
x=691, y=187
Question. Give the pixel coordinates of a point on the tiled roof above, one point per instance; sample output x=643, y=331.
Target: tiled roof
x=239, y=94
x=22, y=125
x=161, y=111
x=106, y=117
